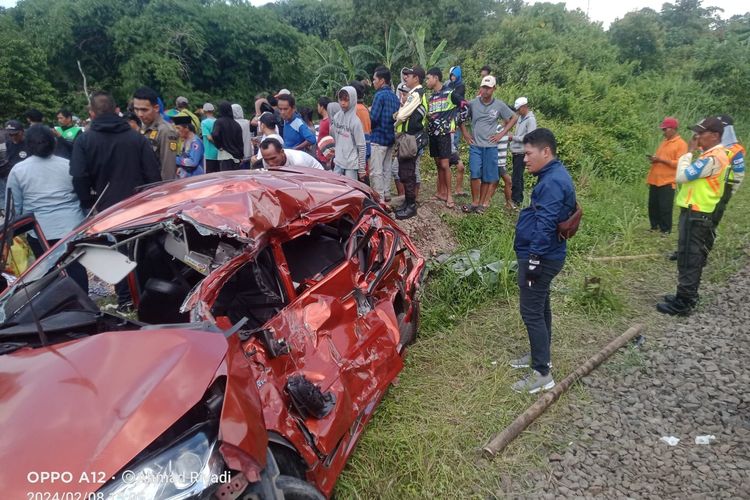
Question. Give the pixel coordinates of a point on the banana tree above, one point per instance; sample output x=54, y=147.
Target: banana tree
x=438, y=57
x=339, y=65
x=396, y=48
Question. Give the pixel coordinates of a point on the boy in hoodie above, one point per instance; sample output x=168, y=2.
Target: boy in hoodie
x=247, y=146
x=347, y=131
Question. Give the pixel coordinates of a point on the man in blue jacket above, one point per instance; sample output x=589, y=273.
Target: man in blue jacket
x=541, y=253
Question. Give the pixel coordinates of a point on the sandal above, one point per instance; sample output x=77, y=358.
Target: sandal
x=469, y=209
x=480, y=209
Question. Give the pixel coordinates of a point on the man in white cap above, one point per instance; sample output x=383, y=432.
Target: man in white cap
x=526, y=123
x=485, y=112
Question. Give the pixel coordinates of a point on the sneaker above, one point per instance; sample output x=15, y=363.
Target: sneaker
x=534, y=382
x=522, y=362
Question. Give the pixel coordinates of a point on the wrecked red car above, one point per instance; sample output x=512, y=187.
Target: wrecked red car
x=271, y=314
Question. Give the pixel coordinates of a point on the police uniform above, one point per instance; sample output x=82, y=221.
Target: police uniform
x=702, y=183
x=163, y=138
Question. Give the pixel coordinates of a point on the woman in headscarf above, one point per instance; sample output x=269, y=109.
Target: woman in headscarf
x=190, y=160
x=42, y=184
x=227, y=137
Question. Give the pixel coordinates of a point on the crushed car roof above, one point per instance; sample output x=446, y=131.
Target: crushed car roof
x=244, y=203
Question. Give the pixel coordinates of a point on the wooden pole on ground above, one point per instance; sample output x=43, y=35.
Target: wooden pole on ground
x=500, y=441
x=615, y=258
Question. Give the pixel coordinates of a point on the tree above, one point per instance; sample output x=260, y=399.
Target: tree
x=686, y=21
x=23, y=77
x=396, y=48
x=427, y=59
x=339, y=65
x=639, y=37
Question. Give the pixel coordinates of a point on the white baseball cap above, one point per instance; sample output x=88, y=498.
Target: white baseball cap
x=488, y=81
x=521, y=101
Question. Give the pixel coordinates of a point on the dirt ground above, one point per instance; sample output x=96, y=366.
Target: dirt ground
x=428, y=230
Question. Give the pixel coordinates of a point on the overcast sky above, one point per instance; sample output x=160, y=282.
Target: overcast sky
x=605, y=11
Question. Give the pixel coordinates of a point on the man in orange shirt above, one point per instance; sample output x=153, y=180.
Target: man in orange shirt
x=661, y=177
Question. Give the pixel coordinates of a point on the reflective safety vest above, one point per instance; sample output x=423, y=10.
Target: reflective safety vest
x=703, y=194
x=736, y=156
x=69, y=133
x=442, y=112
x=404, y=126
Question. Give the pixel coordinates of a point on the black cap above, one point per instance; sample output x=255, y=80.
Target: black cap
x=182, y=120
x=726, y=120
x=14, y=126
x=414, y=70
x=709, y=124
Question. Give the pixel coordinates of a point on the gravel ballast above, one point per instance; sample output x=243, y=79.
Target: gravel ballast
x=692, y=380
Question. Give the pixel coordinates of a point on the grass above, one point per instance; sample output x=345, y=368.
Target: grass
x=454, y=392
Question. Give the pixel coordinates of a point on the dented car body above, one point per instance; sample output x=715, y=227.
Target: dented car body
x=272, y=314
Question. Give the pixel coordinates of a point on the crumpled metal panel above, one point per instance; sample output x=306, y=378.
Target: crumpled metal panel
x=96, y=402
x=243, y=203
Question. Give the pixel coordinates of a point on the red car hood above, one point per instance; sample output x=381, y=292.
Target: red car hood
x=91, y=405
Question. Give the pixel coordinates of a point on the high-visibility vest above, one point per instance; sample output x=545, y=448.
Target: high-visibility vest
x=69, y=133
x=736, y=156
x=704, y=193
x=404, y=126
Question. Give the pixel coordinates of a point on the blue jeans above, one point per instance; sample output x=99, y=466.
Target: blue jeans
x=536, y=312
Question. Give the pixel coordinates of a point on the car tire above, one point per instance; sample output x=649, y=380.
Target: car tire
x=297, y=489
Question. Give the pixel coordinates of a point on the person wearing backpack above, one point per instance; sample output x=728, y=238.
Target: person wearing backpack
x=540, y=246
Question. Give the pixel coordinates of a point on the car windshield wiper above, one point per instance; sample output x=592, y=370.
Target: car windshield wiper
x=9, y=347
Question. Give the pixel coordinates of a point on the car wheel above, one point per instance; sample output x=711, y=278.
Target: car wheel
x=297, y=489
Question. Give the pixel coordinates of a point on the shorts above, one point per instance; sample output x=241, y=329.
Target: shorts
x=454, y=159
x=483, y=163
x=440, y=146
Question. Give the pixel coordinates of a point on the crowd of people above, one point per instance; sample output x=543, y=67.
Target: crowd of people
x=62, y=173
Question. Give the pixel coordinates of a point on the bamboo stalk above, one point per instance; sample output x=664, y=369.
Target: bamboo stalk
x=504, y=438
x=612, y=258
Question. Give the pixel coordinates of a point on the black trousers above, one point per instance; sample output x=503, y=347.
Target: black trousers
x=696, y=238
x=407, y=174
x=516, y=190
x=212, y=166
x=660, y=202
x=536, y=312
x=721, y=207
x=225, y=165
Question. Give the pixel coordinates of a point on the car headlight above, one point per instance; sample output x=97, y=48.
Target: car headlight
x=184, y=470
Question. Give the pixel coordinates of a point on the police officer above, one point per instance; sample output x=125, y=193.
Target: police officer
x=12, y=151
x=702, y=185
x=736, y=154
x=162, y=135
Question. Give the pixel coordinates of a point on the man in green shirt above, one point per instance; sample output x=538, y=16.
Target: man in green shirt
x=65, y=133
x=67, y=129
